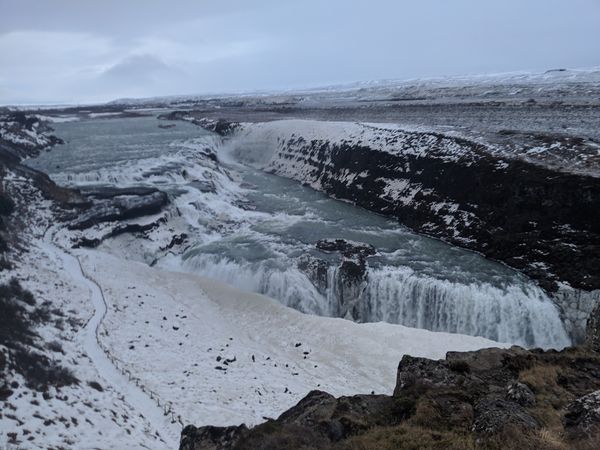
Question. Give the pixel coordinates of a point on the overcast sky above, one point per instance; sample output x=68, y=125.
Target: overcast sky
x=83, y=51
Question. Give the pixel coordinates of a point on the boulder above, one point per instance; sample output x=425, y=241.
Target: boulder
x=211, y=438
x=414, y=371
x=520, y=393
x=346, y=247
x=592, y=338
x=121, y=207
x=493, y=414
x=583, y=416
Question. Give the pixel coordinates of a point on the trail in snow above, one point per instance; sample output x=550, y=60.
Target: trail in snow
x=133, y=395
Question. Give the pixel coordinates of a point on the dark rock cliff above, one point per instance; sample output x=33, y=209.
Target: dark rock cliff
x=539, y=221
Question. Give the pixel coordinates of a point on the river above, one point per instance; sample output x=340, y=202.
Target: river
x=249, y=229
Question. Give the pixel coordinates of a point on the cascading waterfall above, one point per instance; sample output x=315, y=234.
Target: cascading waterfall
x=411, y=286
x=288, y=285
x=521, y=315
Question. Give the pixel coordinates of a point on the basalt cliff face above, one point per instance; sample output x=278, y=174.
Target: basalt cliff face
x=505, y=201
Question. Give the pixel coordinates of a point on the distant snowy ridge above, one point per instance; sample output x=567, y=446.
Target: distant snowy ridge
x=552, y=80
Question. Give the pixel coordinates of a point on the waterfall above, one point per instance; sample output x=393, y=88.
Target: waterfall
x=517, y=314
x=286, y=284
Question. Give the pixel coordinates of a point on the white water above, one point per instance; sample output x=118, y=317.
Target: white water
x=517, y=314
x=521, y=315
x=414, y=281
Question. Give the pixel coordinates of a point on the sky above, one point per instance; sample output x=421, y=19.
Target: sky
x=79, y=51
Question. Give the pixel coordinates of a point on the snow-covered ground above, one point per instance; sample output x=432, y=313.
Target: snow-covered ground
x=83, y=415
x=176, y=348
x=223, y=356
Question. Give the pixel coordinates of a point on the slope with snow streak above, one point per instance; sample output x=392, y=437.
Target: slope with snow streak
x=132, y=394
x=223, y=356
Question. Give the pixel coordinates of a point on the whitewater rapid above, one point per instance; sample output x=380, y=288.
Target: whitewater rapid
x=249, y=229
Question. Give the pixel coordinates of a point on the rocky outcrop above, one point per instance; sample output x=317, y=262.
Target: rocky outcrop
x=214, y=438
x=25, y=135
x=116, y=204
x=491, y=398
x=583, y=416
x=593, y=330
x=576, y=306
x=345, y=279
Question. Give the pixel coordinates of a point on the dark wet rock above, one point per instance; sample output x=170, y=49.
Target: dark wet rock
x=177, y=239
x=350, y=275
x=104, y=192
x=493, y=414
x=583, y=416
x=85, y=242
x=520, y=393
x=348, y=279
x=205, y=186
x=211, y=438
x=350, y=282
x=117, y=230
x=593, y=330
x=316, y=270
x=346, y=248
x=121, y=207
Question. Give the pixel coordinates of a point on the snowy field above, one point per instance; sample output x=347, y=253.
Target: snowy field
x=96, y=412
x=223, y=356
x=174, y=348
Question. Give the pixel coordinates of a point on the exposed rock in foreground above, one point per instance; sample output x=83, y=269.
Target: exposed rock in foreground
x=593, y=330
x=492, y=398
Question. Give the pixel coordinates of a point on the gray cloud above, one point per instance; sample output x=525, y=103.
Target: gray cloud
x=76, y=51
